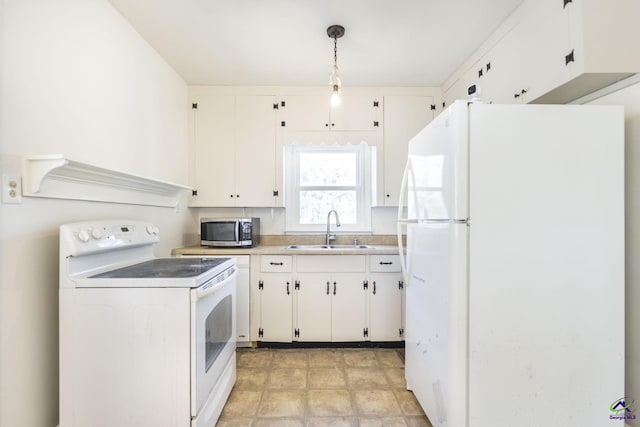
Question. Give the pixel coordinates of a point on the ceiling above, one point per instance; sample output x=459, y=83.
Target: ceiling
x=284, y=42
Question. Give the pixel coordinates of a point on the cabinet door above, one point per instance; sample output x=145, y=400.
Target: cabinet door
x=305, y=113
x=546, y=45
x=404, y=117
x=355, y=113
x=313, y=298
x=313, y=113
x=255, y=170
x=276, y=308
x=506, y=79
x=385, y=307
x=348, y=307
x=214, y=151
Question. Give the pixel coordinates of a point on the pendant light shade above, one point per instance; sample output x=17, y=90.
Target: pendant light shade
x=335, y=32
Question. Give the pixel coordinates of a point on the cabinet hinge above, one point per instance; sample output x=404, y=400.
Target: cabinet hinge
x=365, y=284
x=194, y=106
x=566, y=2
x=296, y=285
x=488, y=66
x=276, y=193
x=480, y=72
x=275, y=106
x=260, y=285
x=400, y=284
x=260, y=332
x=433, y=107
x=376, y=104
x=365, y=332
x=283, y=124
x=401, y=332
x=444, y=104
x=194, y=193
x=296, y=333
x=569, y=58
x=376, y=124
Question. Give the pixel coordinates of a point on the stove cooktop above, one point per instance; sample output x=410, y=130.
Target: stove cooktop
x=164, y=268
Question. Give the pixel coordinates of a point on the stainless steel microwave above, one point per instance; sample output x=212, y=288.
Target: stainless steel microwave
x=229, y=232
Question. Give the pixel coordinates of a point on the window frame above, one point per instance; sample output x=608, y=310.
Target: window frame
x=365, y=154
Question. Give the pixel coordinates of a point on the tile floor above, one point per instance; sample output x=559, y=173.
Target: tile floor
x=321, y=387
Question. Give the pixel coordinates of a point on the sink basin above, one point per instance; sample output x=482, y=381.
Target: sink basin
x=305, y=247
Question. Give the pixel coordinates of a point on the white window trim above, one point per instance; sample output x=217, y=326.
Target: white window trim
x=364, y=178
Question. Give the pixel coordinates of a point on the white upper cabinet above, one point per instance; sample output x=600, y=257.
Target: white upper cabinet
x=553, y=51
x=603, y=46
x=234, y=151
x=301, y=113
x=404, y=117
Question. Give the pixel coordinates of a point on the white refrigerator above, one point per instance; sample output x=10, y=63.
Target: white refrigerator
x=515, y=266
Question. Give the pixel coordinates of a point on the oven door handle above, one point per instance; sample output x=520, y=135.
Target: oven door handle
x=205, y=290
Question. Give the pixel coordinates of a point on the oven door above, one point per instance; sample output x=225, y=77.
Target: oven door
x=213, y=334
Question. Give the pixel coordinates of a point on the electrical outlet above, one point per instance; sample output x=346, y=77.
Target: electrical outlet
x=11, y=189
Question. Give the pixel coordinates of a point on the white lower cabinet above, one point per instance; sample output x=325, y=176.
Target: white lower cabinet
x=386, y=294
x=331, y=307
x=331, y=299
x=385, y=307
x=313, y=299
x=328, y=298
x=273, y=285
x=276, y=306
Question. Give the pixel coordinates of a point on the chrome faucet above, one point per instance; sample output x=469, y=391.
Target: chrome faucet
x=330, y=236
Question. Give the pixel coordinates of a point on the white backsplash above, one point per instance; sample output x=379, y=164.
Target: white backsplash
x=272, y=220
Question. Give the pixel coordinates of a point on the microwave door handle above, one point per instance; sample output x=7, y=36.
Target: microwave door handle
x=237, y=232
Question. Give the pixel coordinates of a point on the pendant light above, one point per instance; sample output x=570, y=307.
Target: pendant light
x=335, y=32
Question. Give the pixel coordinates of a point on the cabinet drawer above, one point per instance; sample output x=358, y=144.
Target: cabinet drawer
x=331, y=263
x=384, y=263
x=275, y=263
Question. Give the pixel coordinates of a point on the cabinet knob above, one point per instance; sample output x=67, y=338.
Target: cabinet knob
x=388, y=195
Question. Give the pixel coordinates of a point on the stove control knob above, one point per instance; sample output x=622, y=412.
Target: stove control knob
x=83, y=235
x=96, y=233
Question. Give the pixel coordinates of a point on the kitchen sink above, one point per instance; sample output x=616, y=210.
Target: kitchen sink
x=305, y=247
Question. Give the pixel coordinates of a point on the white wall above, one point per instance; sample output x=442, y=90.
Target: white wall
x=77, y=80
x=630, y=98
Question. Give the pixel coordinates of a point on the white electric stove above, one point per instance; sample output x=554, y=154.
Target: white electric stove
x=144, y=341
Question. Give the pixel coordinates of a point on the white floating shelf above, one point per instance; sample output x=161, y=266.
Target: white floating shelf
x=54, y=176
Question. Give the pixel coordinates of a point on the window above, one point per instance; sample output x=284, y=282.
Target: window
x=320, y=178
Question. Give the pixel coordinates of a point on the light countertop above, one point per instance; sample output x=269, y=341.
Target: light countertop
x=280, y=250
x=276, y=244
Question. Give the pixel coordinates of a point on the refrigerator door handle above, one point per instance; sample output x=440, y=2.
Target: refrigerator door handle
x=400, y=221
